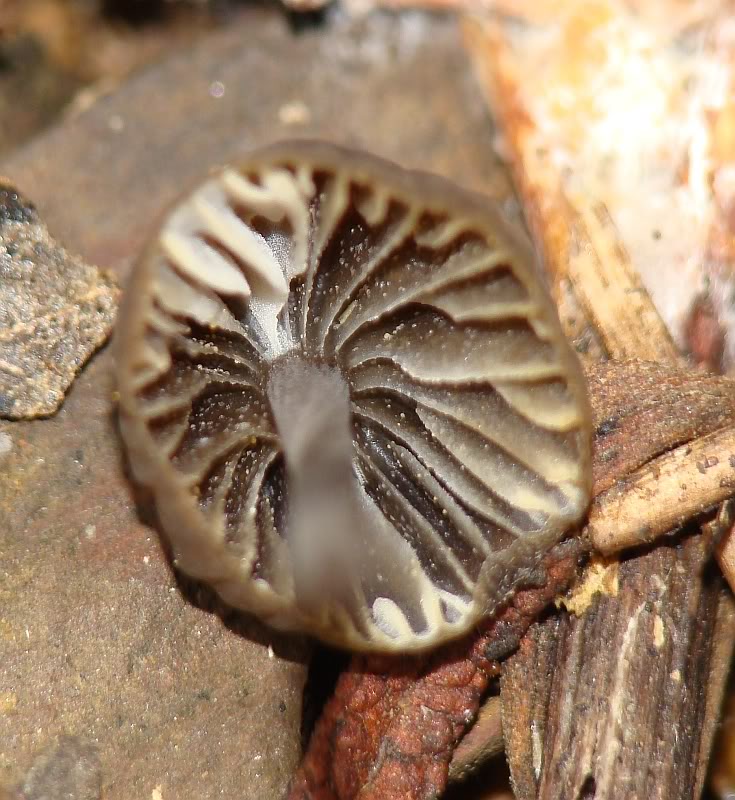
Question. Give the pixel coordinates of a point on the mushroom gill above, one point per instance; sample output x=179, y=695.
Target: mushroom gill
x=350, y=395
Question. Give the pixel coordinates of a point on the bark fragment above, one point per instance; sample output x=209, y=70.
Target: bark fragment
x=615, y=703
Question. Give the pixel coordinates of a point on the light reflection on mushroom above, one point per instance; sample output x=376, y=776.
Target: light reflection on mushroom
x=349, y=393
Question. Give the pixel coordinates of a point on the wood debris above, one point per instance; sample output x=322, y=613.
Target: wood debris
x=618, y=119
x=390, y=729
x=616, y=122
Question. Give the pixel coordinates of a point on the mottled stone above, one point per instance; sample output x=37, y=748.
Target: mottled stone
x=55, y=310
x=69, y=769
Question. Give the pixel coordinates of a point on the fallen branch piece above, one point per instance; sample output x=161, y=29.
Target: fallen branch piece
x=665, y=493
x=623, y=700
x=609, y=123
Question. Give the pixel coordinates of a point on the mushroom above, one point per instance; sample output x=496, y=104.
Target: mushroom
x=349, y=392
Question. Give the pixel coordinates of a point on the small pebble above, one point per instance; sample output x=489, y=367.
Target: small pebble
x=295, y=113
x=216, y=89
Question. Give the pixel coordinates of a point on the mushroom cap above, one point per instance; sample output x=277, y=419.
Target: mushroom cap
x=349, y=392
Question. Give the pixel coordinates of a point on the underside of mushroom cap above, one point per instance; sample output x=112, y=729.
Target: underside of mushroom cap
x=350, y=395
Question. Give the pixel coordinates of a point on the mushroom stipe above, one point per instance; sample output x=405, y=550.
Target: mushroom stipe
x=348, y=390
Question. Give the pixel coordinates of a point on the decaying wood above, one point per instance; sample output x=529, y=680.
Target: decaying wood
x=665, y=493
x=726, y=558
x=631, y=703
x=671, y=405
x=595, y=266
x=666, y=408
x=618, y=120
x=483, y=741
x=685, y=463
x=618, y=703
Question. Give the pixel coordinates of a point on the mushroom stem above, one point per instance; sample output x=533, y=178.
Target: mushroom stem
x=310, y=404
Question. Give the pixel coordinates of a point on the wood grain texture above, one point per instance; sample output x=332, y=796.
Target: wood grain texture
x=619, y=699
